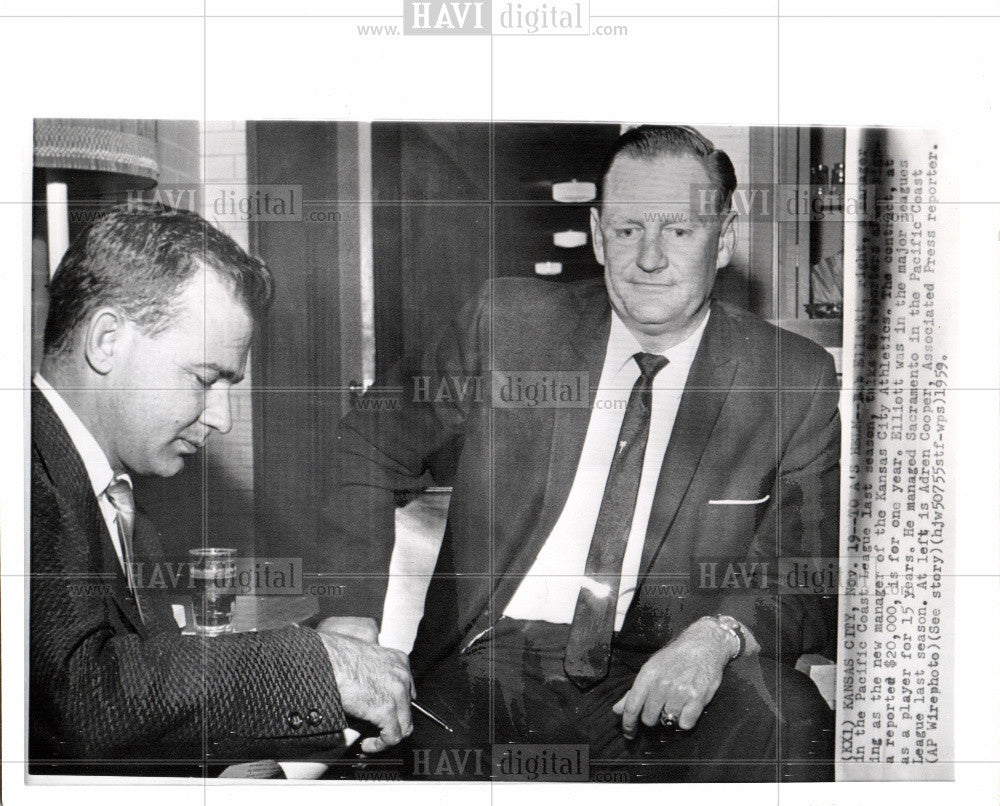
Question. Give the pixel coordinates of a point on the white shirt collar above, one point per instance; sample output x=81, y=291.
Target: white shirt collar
x=94, y=459
x=622, y=344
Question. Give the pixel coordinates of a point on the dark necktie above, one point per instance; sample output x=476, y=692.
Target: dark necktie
x=119, y=493
x=588, y=648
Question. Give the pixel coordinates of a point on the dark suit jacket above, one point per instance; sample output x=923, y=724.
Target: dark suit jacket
x=758, y=418
x=118, y=694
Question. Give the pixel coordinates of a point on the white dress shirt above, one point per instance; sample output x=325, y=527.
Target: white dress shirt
x=94, y=459
x=552, y=585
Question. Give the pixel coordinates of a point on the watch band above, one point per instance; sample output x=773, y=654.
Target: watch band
x=733, y=627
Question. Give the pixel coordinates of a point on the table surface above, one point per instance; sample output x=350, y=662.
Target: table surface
x=254, y=613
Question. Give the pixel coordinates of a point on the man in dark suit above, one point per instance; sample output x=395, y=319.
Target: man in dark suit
x=607, y=575
x=149, y=325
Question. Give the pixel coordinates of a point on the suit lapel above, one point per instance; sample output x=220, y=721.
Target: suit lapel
x=155, y=599
x=708, y=385
x=583, y=348
x=120, y=592
x=69, y=476
x=584, y=352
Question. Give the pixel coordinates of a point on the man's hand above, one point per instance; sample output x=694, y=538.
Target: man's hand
x=362, y=628
x=680, y=679
x=375, y=685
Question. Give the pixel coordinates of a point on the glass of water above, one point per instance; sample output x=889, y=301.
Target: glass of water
x=213, y=577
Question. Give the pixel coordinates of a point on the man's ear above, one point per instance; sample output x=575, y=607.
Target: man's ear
x=728, y=236
x=596, y=236
x=101, y=339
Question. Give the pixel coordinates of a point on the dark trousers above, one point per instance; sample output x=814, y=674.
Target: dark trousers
x=766, y=722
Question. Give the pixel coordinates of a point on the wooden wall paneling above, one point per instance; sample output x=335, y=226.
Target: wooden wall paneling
x=793, y=242
x=430, y=182
x=299, y=385
x=350, y=210
x=760, y=226
x=387, y=223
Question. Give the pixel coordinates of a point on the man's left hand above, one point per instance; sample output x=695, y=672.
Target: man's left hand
x=680, y=679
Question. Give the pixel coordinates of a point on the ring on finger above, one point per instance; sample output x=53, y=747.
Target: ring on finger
x=667, y=719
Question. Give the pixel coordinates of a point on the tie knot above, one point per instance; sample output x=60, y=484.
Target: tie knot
x=650, y=364
x=119, y=492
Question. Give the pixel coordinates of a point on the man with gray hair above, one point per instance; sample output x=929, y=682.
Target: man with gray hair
x=566, y=606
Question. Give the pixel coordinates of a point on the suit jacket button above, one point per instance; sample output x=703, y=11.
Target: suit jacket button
x=295, y=719
x=314, y=718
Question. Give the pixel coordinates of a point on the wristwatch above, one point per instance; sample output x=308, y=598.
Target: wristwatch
x=733, y=627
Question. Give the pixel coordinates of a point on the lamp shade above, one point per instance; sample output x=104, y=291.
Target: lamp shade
x=126, y=147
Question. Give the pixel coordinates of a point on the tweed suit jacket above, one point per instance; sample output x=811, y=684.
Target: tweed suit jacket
x=750, y=474
x=114, y=693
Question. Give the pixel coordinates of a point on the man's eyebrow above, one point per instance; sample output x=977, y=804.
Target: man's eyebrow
x=222, y=372
x=666, y=219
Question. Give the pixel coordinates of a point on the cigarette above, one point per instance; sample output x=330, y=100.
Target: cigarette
x=431, y=716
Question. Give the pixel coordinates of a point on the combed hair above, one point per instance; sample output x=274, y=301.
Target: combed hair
x=135, y=258
x=648, y=142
